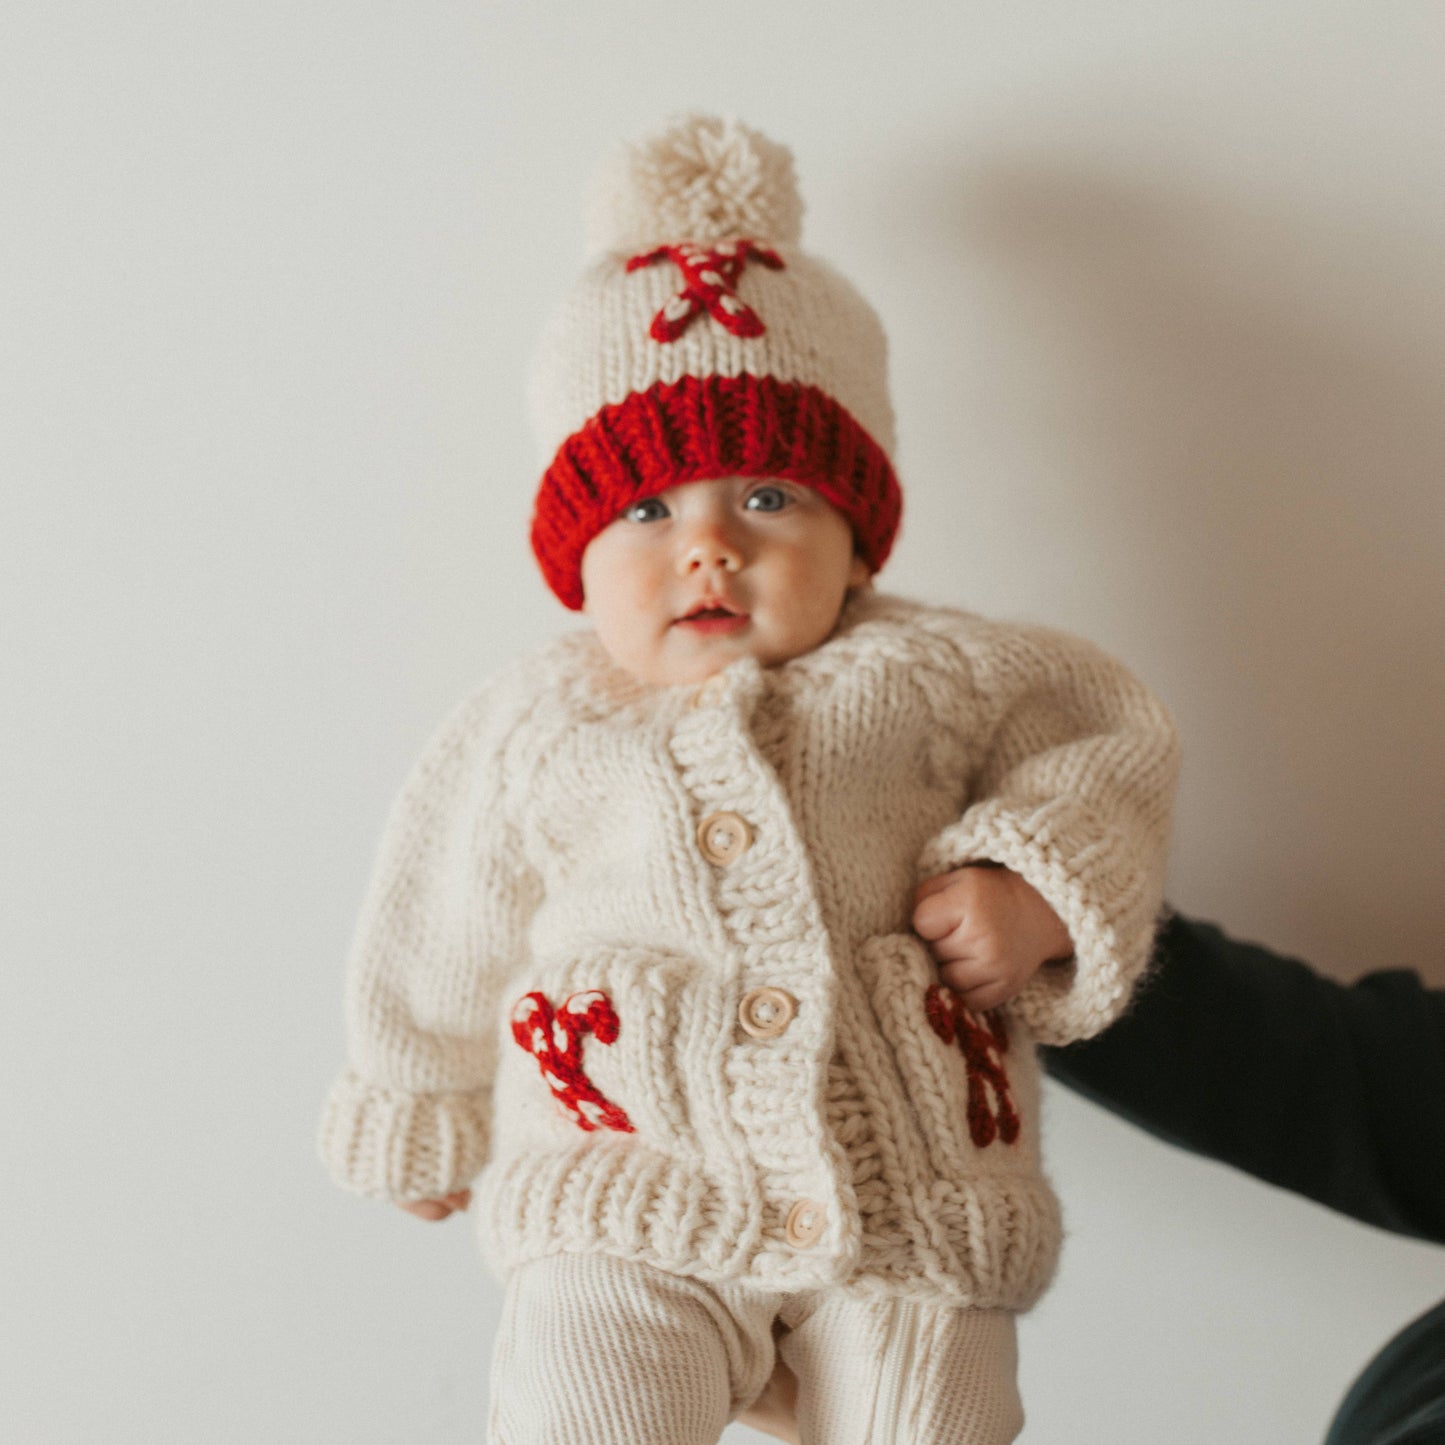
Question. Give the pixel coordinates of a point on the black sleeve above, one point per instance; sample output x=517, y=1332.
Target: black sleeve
x=1334, y=1091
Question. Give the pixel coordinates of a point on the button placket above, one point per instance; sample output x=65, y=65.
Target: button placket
x=765, y=903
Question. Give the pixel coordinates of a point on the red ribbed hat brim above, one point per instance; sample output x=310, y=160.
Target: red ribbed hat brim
x=698, y=428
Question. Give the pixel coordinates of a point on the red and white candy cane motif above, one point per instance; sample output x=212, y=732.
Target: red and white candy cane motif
x=982, y=1041
x=710, y=278
x=554, y=1038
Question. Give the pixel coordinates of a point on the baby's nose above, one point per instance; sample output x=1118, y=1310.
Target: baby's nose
x=712, y=549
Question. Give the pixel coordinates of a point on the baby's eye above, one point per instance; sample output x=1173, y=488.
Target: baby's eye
x=767, y=499
x=649, y=509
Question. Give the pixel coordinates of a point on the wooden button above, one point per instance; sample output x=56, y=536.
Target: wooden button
x=722, y=837
x=766, y=1012
x=805, y=1223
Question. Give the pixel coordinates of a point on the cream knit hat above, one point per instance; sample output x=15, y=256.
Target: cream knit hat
x=701, y=342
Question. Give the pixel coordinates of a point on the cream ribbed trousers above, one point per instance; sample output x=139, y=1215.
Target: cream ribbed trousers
x=599, y=1351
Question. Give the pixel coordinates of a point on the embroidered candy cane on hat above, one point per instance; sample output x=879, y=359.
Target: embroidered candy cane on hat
x=554, y=1038
x=982, y=1041
x=710, y=277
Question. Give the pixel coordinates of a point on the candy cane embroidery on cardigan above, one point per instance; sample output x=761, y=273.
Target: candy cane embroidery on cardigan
x=982, y=1041
x=710, y=277
x=554, y=1038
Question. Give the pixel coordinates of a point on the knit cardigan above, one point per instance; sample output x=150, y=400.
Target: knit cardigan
x=642, y=955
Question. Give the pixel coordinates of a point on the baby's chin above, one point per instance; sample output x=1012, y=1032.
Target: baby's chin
x=680, y=662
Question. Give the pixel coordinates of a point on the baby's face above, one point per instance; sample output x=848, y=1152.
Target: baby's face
x=688, y=580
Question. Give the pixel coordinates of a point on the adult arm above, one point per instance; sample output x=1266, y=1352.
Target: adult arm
x=1334, y=1091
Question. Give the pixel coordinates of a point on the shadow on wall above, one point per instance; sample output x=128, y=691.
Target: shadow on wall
x=1260, y=393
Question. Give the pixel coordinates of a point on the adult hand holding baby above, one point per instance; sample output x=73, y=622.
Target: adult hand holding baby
x=989, y=930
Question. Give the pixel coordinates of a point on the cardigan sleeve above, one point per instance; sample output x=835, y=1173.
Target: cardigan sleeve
x=442, y=928
x=1335, y=1091
x=1072, y=787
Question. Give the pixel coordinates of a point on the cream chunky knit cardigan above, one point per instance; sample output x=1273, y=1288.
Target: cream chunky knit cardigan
x=643, y=955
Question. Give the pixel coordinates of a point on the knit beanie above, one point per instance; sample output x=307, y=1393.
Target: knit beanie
x=700, y=343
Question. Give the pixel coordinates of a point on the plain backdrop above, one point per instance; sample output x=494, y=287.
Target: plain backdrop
x=1165, y=285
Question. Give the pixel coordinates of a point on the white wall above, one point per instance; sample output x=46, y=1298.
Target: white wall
x=1167, y=300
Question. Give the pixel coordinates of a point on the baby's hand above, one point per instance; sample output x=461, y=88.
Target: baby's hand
x=990, y=932
x=438, y=1208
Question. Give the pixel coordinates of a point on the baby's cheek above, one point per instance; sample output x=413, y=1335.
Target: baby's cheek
x=817, y=603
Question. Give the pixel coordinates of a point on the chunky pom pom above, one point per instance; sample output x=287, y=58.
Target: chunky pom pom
x=702, y=179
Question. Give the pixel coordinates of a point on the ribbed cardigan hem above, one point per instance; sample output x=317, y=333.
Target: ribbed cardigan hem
x=993, y=1242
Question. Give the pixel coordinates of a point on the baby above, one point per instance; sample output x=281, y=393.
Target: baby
x=717, y=936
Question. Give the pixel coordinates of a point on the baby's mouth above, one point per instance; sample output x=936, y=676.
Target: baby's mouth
x=712, y=617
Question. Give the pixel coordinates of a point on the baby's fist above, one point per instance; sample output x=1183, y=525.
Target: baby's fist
x=990, y=931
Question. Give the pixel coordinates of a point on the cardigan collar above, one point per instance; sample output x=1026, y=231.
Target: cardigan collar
x=596, y=686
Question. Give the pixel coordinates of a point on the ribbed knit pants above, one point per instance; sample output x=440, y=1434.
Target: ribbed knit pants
x=600, y=1351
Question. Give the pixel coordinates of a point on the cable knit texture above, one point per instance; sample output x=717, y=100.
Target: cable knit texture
x=731, y=869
